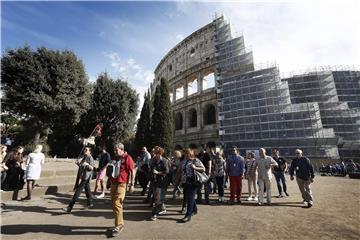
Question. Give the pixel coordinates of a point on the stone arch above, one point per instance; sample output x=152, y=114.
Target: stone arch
x=178, y=121
x=192, y=118
x=209, y=114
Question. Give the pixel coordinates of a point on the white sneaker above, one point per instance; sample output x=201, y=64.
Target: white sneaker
x=162, y=212
x=100, y=196
x=249, y=198
x=255, y=199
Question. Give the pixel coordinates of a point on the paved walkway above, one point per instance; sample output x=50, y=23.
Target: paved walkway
x=335, y=215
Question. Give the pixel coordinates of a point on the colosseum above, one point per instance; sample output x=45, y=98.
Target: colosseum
x=220, y=97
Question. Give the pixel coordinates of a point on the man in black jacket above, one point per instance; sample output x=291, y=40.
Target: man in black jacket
x=279, y=172
x=304, y=176
x=86, y=165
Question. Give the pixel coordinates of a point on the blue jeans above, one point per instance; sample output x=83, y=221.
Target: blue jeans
x=191, y=203
x=280, y=177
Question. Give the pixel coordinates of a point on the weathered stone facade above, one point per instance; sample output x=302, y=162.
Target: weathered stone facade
x=187, y=67
x=220, y=97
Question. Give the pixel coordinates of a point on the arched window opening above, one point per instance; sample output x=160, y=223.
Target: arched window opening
x=179, y=93
x=178, y=121
x=192, y=118
x=192, y=52
x=192, y=87
x=209, y=114
x=209, y=81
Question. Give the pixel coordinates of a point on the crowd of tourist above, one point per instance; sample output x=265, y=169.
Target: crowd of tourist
x=155, y=172
x=341, y=168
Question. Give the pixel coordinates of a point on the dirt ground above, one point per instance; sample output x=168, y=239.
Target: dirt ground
x=335, y=215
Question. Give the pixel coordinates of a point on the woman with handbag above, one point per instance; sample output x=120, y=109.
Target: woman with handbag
x=190, y=165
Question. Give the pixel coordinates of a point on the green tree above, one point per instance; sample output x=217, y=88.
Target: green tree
x=143, y=132
x=48, y=87
x=10, y=123
x=115, y=106
x=162, y=119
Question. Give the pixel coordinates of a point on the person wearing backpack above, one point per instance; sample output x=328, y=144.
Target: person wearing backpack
x=121, y=172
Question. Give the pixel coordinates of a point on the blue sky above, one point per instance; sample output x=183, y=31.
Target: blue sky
x=128, y=39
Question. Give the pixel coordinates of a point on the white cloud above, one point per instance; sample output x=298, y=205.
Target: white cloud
x=179, y=37
x=295, y=34
x=134, y=73
x=92, y=78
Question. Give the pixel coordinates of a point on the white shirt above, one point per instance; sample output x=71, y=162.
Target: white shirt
x=264, y=167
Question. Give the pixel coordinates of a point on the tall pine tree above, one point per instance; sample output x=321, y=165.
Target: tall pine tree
x=162, y=119
x=143, y=133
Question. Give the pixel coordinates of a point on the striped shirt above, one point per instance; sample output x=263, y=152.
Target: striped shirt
x=251, y=170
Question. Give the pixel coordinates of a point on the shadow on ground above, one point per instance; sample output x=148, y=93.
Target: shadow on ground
x=51, y=228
